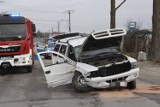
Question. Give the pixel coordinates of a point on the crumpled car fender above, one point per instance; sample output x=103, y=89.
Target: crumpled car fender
x=85, y=68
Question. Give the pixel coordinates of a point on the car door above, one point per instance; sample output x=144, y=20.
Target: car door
x=58, y=70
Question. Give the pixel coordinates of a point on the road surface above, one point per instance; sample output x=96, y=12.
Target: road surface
x=21, y=89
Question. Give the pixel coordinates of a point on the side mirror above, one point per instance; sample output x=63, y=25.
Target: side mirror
x=28, y=38
x=65, y=61
x=34, y=34
x=71, y=53
x=33, y=27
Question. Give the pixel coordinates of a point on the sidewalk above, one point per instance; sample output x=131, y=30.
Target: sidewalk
x=149, y=72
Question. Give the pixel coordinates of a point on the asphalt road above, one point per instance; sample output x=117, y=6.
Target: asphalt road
x=21, y=89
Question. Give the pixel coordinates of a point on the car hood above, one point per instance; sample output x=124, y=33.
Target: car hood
x=100, y=40
x=85, y=68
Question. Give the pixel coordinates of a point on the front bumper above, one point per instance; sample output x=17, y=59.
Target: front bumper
x=102, y=82
x=17, y=61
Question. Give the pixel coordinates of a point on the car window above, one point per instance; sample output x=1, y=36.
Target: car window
x=77, y=51
x=57, y=47
x=63, y=49
x=55, y=59
x=71, y=53
x=50, y=45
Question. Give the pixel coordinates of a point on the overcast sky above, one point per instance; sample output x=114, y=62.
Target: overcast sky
x=89, y=15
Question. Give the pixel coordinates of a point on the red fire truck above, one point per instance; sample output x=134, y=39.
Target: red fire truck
x=16, y=42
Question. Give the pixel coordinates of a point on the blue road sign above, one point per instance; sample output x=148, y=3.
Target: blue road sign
x=132, y=25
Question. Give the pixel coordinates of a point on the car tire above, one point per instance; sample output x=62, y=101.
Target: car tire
x=29, y=69
x=131, y=85
x=78, y=83
x=3, y=72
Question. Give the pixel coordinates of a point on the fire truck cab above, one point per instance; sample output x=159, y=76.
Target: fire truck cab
x=16, y=42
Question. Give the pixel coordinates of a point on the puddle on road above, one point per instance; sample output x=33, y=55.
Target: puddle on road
x=125, y=93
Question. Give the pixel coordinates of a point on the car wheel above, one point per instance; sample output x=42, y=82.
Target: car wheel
x=79, y=83
x=3, y=72
x=131, y=85
x=29, y=69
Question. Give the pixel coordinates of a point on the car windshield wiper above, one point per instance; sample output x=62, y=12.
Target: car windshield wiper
x=106, y=53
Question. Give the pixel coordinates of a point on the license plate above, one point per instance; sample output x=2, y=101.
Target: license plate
x=115, y=84
x=6, y=58
x=123, y=84
x=118, y=84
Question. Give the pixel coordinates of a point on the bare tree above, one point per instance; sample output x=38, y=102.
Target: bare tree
x=156, y=31
x=113, y=12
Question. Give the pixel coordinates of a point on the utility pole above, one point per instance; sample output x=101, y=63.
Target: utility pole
x=113, y=12
x=69, y=12
x=58, y=26
x=59, y=23
x=52, y=31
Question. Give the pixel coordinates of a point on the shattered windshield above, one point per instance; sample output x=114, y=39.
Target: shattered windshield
x=12, y=32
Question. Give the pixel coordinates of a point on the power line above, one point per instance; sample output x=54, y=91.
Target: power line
x=69, y=12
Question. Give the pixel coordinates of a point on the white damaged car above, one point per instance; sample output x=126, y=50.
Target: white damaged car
x=90, y=62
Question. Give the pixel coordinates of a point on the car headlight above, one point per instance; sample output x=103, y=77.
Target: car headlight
x=134, y=65
x=87, y=74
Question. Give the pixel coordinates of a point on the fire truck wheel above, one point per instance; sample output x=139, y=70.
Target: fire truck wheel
x=29, y=69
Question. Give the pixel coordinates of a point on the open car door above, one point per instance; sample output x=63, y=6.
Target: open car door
x=58, y=69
